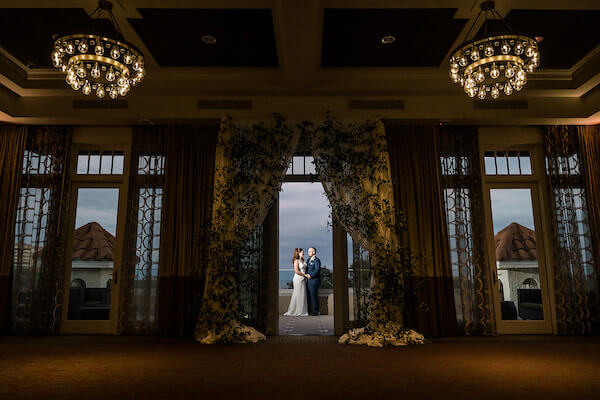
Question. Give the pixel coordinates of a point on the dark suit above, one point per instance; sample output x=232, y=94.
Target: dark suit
x=313, y=269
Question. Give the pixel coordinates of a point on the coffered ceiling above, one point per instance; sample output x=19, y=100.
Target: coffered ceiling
x=300, y=58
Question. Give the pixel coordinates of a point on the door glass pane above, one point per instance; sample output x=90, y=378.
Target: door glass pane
x=516, y=255
x=359, y=283
x=94, y=243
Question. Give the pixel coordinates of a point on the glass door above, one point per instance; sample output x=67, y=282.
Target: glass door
x=517, y=258
x=92, y=270
x=95, y=239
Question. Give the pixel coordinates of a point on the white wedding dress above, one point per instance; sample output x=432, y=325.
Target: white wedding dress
x=299, y=305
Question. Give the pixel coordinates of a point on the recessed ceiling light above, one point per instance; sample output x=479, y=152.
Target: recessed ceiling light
x=389, y=39
x=209, y=39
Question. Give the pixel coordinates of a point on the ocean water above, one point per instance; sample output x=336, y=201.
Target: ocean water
x=285, y=277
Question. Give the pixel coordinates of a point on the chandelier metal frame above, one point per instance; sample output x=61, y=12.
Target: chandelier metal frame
x=493, y=63
x=95, y=62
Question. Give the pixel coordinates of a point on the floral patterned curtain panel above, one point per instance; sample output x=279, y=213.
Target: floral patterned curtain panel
x=575, y=275
x=139, y=276
x=38, y=262
x=461, y=186
x=12, y=146
x=352, y=162
x=250, y=165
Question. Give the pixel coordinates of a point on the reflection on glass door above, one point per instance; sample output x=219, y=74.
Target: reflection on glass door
x=516, y=255
x=94, y=244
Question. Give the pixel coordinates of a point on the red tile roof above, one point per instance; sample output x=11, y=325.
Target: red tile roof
x=91, y=242
x=515, y=243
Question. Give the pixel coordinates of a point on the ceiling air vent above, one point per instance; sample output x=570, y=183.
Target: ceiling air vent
x=500, y=105
x=225, y=104
x=358, y=104
x=89, y=104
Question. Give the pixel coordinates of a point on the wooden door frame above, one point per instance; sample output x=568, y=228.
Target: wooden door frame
x=531, y=141
x=120, y=182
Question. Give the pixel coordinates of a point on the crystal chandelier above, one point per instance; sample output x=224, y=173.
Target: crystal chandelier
x=494, y=63
x=93, y=62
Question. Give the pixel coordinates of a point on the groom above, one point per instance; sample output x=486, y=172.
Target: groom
x=314, y=280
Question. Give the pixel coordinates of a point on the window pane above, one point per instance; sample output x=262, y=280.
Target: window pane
x=513, y=163
x=490, y=163
x=94, y=164
x=516, y=254
x=82, y=163
x=92, y=262
x=106, y=164
x=501, y=163
x=118, y=160
x=298, y=165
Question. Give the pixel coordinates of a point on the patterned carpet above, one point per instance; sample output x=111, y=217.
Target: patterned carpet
x=107, y=367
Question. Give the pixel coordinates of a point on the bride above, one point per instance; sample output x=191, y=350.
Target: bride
x=298, y=304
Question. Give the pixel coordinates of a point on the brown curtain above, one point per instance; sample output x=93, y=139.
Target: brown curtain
x=40, y=234
x=463, y=206
x=139, y=275
x=415, y=170
x=12, y=146
x=189, y=176
x=589, y=144
x=575, y=275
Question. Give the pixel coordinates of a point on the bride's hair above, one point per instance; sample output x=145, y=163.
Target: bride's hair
x=297, y=252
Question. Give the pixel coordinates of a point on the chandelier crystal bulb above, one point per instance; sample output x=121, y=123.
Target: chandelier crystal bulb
x=494, y=72
x=509, y=72
x=114, y=53
x=519, y=49
x=128, y=58
x=508, y=90
x=87, y=88
x=495, y=93
x=95, y=72
x=114, y=92
x=76, y=84
x=530, y=51
x=99, y=50
x=81, y=72
x=462, y=62
x=482, y=92
x=479, y=76
x=70, y=48
x=505, y=49
x=83, y=47
x=489, y=50
x=475, y=54
x=123, y=90
x=100, y=92
x=472, y=92
x=110, y=74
